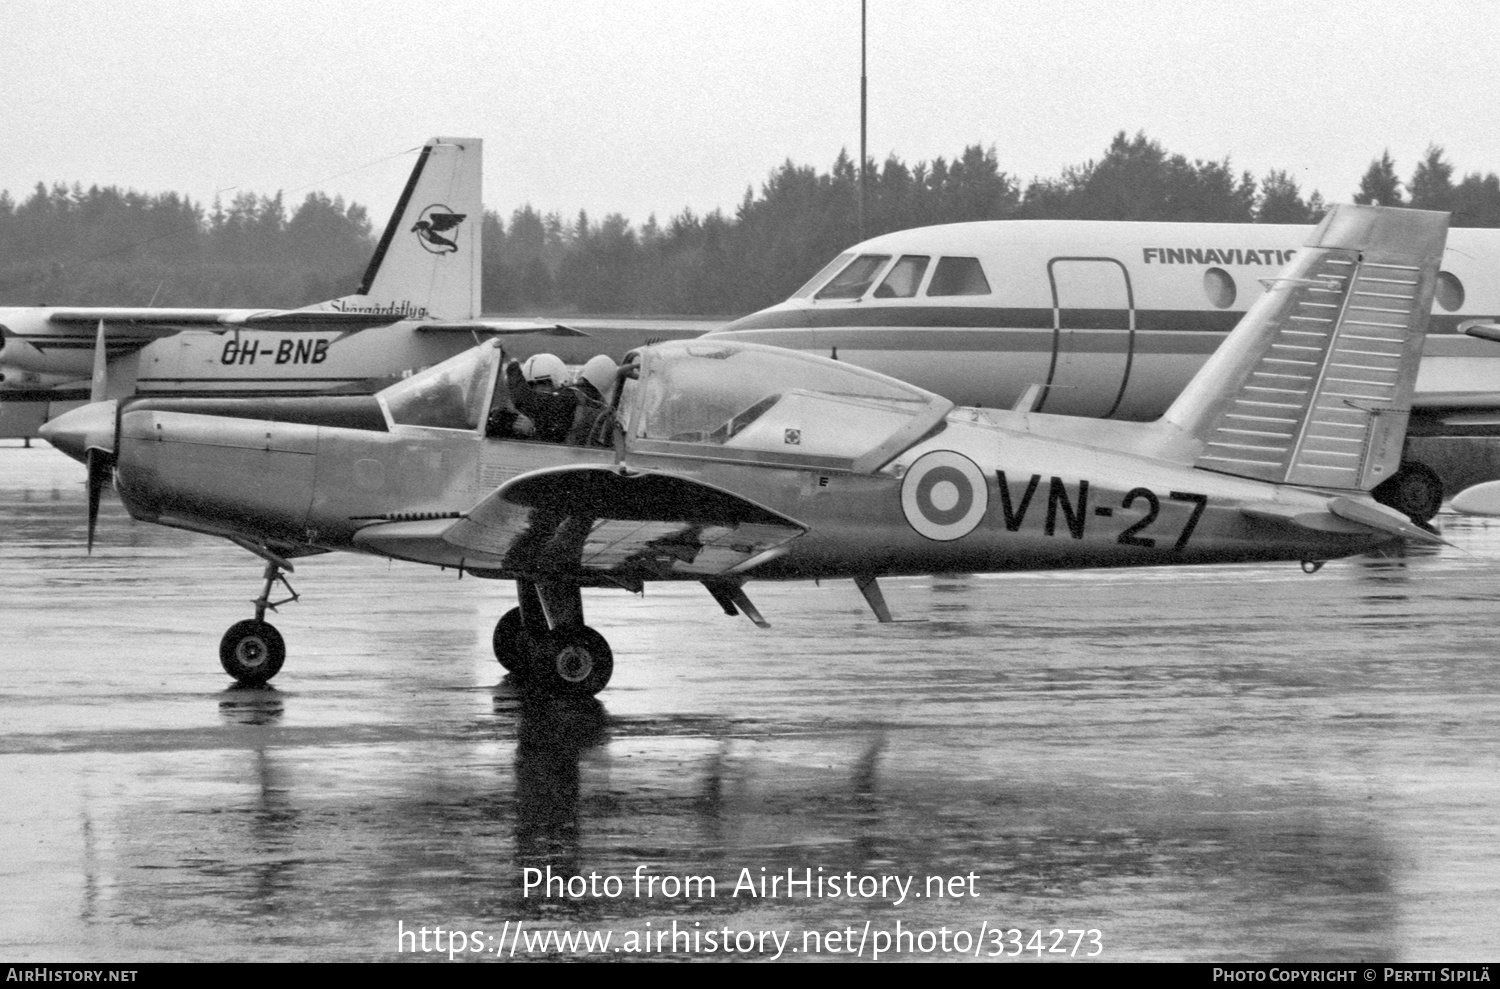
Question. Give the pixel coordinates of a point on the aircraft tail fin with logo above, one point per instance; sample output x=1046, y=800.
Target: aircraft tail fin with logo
x=427, y=262
x=1314, y=387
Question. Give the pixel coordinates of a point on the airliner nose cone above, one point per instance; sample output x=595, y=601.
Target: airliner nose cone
x=91, y=427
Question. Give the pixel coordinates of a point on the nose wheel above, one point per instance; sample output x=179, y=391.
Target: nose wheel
x=252, y=651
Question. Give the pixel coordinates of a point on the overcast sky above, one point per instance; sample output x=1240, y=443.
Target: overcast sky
x=651, y=106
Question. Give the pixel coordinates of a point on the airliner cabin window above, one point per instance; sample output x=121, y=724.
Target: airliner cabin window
x=852, y=282
x=821, y=276
x=958, y=276
x=904, y=278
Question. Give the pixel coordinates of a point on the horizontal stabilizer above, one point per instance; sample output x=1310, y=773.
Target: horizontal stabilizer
x=1299, y=517
x=319, y=319
x=499, y=327
x=1340, y=516
x=1382, y=519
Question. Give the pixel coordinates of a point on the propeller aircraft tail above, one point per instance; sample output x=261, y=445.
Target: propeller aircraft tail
x=1314, y=387
x=426, y=264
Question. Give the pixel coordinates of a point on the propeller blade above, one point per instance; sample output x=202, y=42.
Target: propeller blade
x=101, y=467
x=100, y=383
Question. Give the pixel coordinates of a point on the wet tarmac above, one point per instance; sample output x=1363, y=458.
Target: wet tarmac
x=1234, y=763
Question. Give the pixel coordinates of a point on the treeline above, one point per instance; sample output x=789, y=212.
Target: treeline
x=104, y=246
x=716, y=264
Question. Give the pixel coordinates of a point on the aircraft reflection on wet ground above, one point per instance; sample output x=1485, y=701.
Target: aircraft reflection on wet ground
x=1206, y=763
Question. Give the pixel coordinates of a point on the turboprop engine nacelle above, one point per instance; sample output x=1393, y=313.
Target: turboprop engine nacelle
x=16, y=378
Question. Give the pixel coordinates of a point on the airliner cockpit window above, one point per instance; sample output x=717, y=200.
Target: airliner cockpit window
x=452, y=395
x=821, y=276
x=904, y=278
x=958, y=276
x=853, y=281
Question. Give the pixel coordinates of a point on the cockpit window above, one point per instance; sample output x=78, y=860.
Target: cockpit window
x=958, y=276
x=743, y=397
x=823, y=273
x=904, y=278
x=452, y=395
x=852, y=282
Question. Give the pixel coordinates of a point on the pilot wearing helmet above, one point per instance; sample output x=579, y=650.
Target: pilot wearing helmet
x=593, y=424
x=538, y=388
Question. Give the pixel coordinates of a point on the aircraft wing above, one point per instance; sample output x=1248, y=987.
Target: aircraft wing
x=165, y=322
x=624, y=525
x=499, y=327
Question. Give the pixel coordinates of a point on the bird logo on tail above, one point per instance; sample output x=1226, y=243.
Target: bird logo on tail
x=435, y=221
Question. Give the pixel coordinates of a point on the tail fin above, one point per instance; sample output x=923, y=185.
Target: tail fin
x=1314, y=386
x=427, y=262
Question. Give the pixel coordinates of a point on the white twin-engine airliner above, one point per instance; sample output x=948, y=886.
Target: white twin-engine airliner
x=1111, y=319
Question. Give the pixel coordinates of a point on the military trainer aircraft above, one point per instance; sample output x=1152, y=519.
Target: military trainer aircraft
x=724, y=462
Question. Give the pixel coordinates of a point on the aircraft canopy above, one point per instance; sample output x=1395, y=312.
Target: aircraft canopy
x=764, y=400
x=452, y=395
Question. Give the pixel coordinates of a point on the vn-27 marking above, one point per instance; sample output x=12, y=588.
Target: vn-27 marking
x=1075, y=515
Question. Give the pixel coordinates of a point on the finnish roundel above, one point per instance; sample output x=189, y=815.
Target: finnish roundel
x=943, y=495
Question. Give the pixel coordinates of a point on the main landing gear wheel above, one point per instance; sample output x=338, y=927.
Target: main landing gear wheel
x=1415, y=490
x=511, y=642
x=252, y=651
x=572, y=661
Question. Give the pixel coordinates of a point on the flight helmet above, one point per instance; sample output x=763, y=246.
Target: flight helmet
x=600, y=372
x=545, y=370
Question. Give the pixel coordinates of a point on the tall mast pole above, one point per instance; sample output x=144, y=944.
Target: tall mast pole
x=862, y=85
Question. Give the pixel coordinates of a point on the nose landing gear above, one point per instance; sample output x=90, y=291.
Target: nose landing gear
x=252, y=651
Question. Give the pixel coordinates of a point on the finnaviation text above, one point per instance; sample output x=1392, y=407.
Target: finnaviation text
x=1265, y=257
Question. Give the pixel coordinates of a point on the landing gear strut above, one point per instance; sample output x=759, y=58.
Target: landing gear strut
x=545, y=642
x=252, y=651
